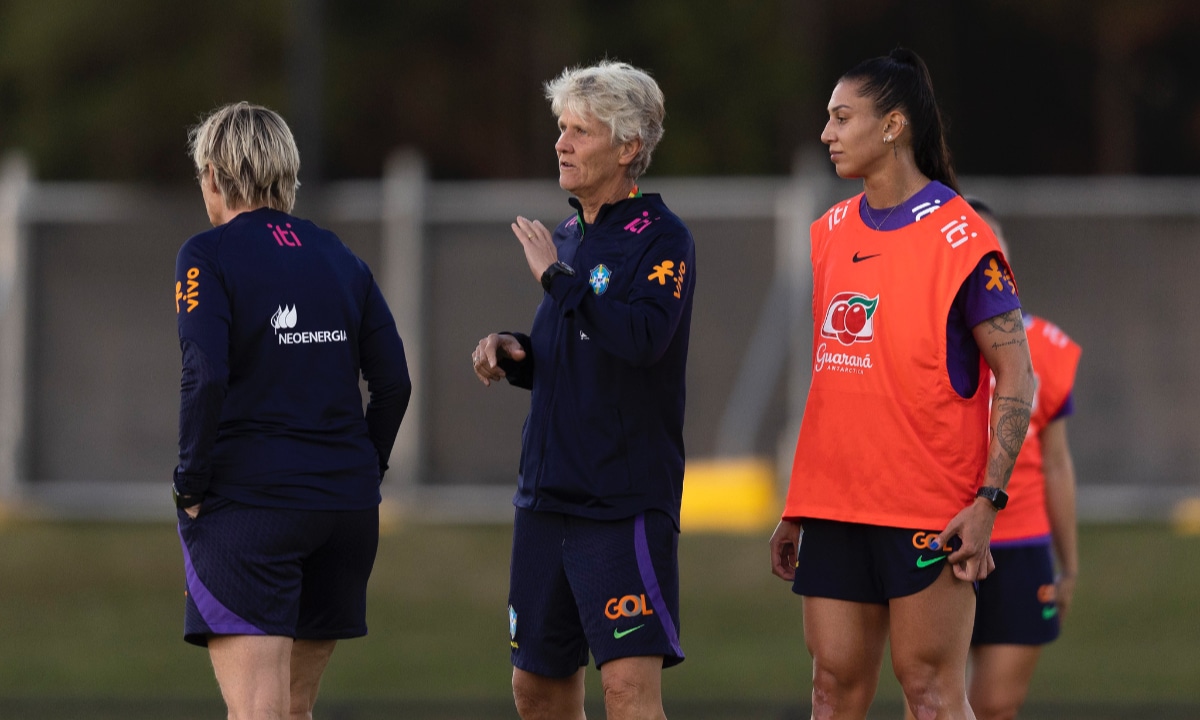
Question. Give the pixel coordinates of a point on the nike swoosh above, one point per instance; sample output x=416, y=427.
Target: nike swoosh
x=856, y=258
x=1049, y=612
x=618, y=634
x=923, y=563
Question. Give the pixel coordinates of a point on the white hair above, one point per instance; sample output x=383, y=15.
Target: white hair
x=619, y=95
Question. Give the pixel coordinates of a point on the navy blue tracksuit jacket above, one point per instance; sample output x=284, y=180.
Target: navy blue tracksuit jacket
x=606, y=361
x=277, y=318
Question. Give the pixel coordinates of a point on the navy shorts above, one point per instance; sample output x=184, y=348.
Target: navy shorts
x=270, y=571
x=866, y=563
x=1017, y=600
x=578, y=584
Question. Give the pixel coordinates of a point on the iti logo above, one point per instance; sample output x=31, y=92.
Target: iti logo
x=283, y=235
x=193, y=290
x=838, y=214
x=925, y=208
x=598, y=278
x=850, y=318
x=956, y=231
x=1054, y=334
x=637, y=225
x=284, y=318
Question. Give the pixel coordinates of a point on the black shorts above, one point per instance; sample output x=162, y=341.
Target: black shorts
x=1017, y=600
x=578, y=584
x=866, y=563
x=269, y=571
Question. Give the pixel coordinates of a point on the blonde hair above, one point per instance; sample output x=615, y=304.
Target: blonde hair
x=252, y=153
x=619, y=95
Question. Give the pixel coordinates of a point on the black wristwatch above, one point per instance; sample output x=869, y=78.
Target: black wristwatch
x=185, y=500
x=558, y=267
x=997, y=497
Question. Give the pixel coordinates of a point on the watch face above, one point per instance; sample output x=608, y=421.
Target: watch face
x=995, y=496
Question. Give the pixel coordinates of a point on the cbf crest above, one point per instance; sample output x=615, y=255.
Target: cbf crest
x=512, y=626
x=598, y=278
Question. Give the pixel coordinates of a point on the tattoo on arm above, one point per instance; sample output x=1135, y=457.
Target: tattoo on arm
x=1006, y=343
x=1009, y=323
x=1009, y=399
x=1000, y=468
x=1011, y=415
x=1011, y=429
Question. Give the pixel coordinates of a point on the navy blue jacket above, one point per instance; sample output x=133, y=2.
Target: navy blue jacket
x=606, y=360
x=276, y=319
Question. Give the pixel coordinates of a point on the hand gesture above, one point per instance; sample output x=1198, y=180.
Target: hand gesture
x=486, y=358
x=540, y=252
x=973, y=526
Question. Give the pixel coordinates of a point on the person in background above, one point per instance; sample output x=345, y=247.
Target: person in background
x=595, y=536
x=1022, y=604
x=277, y=486
x=895, y=482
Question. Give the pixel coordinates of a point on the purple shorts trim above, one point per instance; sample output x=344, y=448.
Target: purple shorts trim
x=581, y=587
x=650, y=580
x=219, y=619
x=1035, y=541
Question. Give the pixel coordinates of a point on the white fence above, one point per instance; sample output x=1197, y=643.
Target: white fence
x=89, y=364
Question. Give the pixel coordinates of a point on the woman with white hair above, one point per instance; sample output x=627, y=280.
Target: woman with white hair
x=594, y=560
x=277, y=487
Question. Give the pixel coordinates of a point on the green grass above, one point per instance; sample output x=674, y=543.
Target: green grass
x=91, y=616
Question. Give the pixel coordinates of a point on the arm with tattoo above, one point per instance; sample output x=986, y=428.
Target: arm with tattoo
x=1002, y=342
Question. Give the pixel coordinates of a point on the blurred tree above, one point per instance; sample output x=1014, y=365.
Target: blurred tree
x=96, y=89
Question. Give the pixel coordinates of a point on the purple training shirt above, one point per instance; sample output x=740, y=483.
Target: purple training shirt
x=974, y=302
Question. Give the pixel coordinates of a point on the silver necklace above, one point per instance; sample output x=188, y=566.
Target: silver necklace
x=882, y=222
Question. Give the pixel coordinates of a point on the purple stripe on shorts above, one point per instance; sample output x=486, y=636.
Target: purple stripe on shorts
x=1034, y=541
x=650, y=580
x=220, y=619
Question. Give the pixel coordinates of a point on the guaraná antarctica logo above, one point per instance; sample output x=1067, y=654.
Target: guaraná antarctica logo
x=850, y=318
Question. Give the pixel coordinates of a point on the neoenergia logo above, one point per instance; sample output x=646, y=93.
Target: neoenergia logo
x=850, y=318
x=284, y=318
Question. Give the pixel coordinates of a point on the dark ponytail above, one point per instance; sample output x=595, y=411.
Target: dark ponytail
x=900, y=81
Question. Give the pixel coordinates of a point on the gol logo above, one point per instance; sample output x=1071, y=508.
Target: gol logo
x=850, y=318
x=1047, y=594
x=627, y=606
x=921, y=540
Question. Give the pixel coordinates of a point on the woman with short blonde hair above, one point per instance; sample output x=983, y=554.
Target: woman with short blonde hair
x=252, y=155
x=277, y=487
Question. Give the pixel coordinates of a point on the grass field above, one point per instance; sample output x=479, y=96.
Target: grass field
x=91, y=614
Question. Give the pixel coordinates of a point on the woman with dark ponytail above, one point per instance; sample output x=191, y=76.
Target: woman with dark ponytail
x=902, y=461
